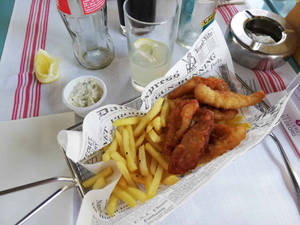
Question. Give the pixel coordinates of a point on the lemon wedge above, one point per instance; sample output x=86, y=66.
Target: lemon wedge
x=151, y=51
x=46, y=67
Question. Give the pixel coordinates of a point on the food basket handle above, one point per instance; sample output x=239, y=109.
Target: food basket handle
x=37, y=183
x=74, y=182
x=44, y=203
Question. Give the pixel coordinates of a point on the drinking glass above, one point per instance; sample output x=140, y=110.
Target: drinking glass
x=195, y=16
x=121, y=17
x=150, y=38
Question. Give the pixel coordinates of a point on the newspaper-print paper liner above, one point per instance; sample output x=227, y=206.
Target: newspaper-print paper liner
x=207, y=54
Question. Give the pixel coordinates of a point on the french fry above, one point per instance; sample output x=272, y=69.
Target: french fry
x=100, y=183
x=140, y=140
x=153, y=166
x=156, y=122
x=137, y=194
x=112, y=205
x=106, y=156
x=157, y=146
x=164, y=113
x=149, y=127
x=143, y=161
x=124, y=196
x=148, y=182
x=117, y=157
x=122, y=183
x=103, y=173
x=119, y=140
x=137, y=178
x=155, y=154
x=246, y=125
x=155, y=182
x=170, y=179
x=126, y=121
x=128, y=154
x=112, y=148
x=154, y=136
x=149, y=116
x=132, y=142
x=125, y=173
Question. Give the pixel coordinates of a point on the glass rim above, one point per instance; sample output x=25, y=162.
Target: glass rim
x=144, y=22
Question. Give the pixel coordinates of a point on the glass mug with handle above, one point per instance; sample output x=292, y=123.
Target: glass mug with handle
x=150, y=39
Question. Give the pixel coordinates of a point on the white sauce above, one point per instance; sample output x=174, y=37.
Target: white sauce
x=85, y=93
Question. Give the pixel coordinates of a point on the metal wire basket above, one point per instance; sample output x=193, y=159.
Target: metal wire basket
x=79, y=173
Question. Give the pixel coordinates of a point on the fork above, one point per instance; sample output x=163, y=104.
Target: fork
x=293, y=175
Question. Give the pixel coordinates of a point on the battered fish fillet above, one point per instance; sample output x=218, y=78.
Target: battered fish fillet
x=223, y=114
x=187, y=114
x=179, y=121
x=223, y=138
x=226, y=99
x=186, y=154
x=188, y=87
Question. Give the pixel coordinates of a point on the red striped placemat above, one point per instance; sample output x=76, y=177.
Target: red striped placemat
x=28, y=91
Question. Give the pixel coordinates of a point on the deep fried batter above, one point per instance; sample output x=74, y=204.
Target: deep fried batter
x=222, y=114
x=226, y=99
x=222, y=139
x=187, y=114
x=178, y=122
x=188, y=87
x=186, y=154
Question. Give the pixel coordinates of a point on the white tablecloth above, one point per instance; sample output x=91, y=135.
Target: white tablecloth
x=255, y=189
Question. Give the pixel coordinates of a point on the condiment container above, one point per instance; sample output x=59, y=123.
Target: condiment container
x=68, y=91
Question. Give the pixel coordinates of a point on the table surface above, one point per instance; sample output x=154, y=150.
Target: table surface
x=243, y=181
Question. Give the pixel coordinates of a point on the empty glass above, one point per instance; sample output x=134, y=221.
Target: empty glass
x=195, y=16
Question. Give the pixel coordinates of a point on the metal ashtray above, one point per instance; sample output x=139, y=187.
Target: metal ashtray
x=260, y=39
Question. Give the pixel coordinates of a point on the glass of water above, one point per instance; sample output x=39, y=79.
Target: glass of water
x=150, y=38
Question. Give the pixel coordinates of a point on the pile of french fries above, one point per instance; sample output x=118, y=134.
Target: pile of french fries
x=136, y=149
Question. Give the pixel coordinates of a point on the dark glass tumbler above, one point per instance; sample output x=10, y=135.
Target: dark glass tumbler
x=143, y=10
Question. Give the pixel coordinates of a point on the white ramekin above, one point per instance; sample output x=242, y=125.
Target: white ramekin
x=83, y=111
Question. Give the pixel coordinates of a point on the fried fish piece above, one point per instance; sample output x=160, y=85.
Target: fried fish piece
x=222, y=114
x=226, y=99
x=178, y=122
x=222, y=139
x=186, y=154
x=186, y=114
x=188, y=87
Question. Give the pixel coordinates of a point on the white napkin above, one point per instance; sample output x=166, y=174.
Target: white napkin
x=29, y=152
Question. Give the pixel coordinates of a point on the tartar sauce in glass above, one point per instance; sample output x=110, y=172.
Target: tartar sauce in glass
x=85, y=93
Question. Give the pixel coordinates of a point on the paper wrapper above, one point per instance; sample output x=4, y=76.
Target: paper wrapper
x=205, y=58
